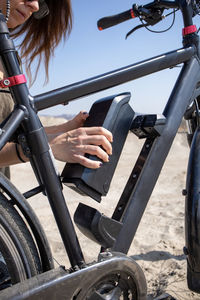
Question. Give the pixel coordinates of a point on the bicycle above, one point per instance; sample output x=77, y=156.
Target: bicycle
x=26, y=264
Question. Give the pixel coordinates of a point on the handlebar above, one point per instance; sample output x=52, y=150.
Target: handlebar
x=151, y=13
x=115, y=19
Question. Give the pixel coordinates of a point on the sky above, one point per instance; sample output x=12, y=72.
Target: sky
x=89, y=52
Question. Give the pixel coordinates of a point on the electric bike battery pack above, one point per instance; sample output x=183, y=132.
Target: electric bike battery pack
x=115, y=114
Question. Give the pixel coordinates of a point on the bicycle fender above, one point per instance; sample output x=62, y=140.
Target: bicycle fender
x=28, y=213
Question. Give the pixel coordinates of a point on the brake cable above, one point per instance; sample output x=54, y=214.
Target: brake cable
x=154, y=31
x=164, y=30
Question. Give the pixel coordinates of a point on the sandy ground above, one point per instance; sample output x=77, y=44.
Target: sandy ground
x=158, y=244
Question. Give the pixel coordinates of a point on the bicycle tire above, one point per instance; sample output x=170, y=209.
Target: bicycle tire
x=19, y=258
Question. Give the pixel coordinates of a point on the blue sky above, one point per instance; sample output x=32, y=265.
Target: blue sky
x=89, y=52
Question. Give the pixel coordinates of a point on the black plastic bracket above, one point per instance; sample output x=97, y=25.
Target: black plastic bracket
x=148, y=126
x=96, y=226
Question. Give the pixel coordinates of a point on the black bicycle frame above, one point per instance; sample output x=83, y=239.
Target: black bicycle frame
x=155, y=151
x=142, y=180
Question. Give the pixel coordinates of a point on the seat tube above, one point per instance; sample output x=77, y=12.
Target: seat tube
x=42, y=158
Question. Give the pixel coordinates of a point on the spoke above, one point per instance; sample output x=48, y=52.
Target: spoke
x=115, y=286
x=114, y=295
x=126, y=295
x=97, y=296
x=5, y=280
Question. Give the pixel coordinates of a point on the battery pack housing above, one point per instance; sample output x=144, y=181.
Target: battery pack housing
x=115, y=114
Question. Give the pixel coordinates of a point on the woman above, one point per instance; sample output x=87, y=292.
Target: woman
x=43, y=25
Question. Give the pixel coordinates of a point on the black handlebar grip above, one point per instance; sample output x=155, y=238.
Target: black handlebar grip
x=115, y=19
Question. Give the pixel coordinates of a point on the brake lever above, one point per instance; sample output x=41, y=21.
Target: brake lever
x=146, y=15
x=134, y=29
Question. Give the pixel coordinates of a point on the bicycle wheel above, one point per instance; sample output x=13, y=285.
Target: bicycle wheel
x=19, y=257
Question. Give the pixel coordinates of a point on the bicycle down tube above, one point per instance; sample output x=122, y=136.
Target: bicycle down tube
x=145, y=181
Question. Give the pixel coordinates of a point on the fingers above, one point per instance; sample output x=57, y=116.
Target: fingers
x=99, y=131
x=94, y=141
x=93, y=150
x=98, y=136
x=97, y=140
x=84, y=114
x=73, y=146
x=88, y=163
x=77, y=122
x=80, y=118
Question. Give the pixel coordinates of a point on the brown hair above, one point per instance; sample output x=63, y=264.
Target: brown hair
x=40, y=37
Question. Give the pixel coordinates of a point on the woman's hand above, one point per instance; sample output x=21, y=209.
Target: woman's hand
x=76, y=122
x=72, y=146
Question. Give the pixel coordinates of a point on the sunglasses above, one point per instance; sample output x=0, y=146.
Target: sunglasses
x=43, y=10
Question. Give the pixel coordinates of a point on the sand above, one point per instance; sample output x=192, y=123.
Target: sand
x=159, y=241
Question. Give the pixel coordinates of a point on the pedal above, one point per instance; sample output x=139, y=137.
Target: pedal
x=115, y=114
x=145, y=126
x=96, y=226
